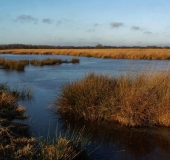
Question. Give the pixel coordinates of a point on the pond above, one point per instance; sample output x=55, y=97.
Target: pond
x=111, y=140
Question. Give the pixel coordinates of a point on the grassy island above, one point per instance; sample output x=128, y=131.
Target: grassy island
x=131, y=100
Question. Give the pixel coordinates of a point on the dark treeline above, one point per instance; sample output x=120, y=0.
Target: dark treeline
x=99, y=46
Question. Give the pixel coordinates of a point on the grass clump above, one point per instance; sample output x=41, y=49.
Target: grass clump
x=47, y=61
x=35, y=62
x=68, y=146
x=75, y=60
x=24, y=93
x=131, y=100
x=86, y=98
x=15, y=140
x=13, y=64
x=20, y=65
x=51, y=61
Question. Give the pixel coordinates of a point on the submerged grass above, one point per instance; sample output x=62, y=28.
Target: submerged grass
x=131, y=100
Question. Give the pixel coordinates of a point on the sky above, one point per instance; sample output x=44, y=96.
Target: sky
x=85, y=22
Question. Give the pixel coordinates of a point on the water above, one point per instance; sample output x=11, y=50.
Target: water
x=116, y=142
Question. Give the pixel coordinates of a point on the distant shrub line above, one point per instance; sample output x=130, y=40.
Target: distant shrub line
x=20, y=65
x=131, y=100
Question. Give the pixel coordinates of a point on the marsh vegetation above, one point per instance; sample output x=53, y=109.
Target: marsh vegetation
x=15, y=139
x=20, y=65
x=115, y=53
x=109, y=137
x=132, y=100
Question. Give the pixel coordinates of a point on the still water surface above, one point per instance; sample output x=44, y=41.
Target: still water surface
x=114, y=141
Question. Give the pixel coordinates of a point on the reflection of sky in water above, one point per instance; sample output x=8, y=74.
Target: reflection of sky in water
x=47, y=81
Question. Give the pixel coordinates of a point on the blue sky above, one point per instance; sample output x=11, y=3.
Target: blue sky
x=85, y=22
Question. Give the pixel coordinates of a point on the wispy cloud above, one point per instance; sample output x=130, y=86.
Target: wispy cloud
x=47, y=20
x=116, y=24
x=147, y=32
x=26, y=18
x=81, y=39
x=135, y=28
x=91, y=30
x=59, y=22
x=96, y=24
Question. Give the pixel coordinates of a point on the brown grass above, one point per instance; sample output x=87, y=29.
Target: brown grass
x=13, y=64
x=15, y=141
x=131, y=100
x=150, y=54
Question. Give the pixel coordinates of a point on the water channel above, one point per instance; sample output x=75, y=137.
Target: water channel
x=114, y=142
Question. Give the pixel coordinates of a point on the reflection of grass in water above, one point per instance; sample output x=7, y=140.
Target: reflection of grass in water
x=138, y=142
x=140, y=99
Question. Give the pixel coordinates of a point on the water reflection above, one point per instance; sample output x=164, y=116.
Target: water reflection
x=121, y=141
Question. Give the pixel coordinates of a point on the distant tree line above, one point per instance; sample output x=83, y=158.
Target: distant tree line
x=27, y=46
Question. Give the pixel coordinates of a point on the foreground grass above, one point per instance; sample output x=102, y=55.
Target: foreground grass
x=15, y=142
x=131, y=100
x=150, y=54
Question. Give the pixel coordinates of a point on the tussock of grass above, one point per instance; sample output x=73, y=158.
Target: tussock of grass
x=24, y=93
x=65, y=146
x=35, y=62
x=47, y=61
x=14, y=140
x=131, y=100
x=20, y=65
x=52, y=61
x=13, y=64
x=75, y=60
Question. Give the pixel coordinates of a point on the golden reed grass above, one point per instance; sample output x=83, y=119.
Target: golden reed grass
x=132, y=100
x=150, y=54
